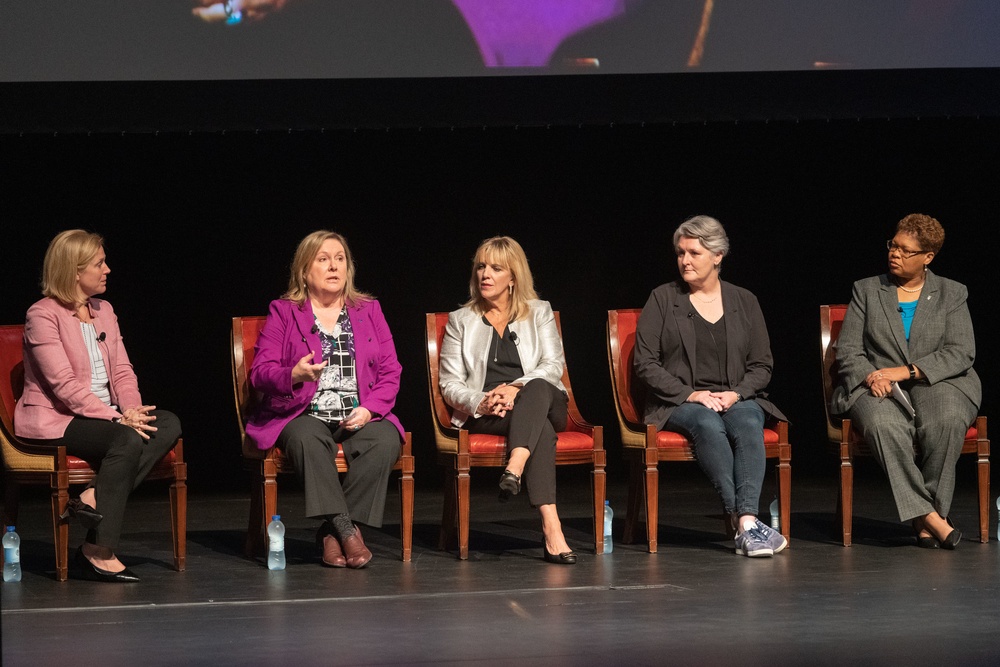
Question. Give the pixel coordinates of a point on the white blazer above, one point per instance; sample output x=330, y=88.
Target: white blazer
x=466, y=347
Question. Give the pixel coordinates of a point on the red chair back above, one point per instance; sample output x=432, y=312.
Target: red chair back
x=11, y=371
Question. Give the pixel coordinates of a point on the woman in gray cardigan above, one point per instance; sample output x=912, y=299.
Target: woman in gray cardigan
x=501, y=369
x=703, y=353
x=911, y=328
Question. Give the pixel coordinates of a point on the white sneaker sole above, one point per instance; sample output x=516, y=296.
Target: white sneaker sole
x=756, y=553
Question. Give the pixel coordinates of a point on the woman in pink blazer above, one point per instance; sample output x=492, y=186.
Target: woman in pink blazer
x=80, y=391
x=326, y=372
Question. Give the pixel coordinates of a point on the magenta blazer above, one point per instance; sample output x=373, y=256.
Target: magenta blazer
x=57, y=370
x=287, y=336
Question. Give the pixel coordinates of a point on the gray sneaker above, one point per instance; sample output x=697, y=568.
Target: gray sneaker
x=753, y=544
x=775, y=540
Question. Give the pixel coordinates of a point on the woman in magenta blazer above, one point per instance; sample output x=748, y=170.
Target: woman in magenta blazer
x=326, y=371
x=80, y=391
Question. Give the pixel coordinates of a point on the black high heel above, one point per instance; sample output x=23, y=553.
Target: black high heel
x=954, y=537
x=566, y=558
x=510, y=485
x=94, y=573
x=82, y=512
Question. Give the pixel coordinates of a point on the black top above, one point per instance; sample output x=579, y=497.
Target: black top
x=710, y=354
x=504, y=363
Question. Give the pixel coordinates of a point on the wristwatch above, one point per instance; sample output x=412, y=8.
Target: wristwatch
x=739, y=397
x=913, y=371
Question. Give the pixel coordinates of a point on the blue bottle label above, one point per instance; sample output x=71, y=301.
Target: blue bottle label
x=11, y=555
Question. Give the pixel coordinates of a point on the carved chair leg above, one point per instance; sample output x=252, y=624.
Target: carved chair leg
x=178, y=515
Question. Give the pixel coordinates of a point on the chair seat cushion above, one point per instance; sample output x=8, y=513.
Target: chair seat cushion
x=568, y=441
x=75, y=463
x=668, y=439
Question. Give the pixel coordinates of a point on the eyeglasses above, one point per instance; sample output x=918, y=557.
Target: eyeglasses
x=903, y=252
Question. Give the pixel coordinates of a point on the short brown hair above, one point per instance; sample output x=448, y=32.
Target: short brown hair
x=928, y=231
x=68, y=254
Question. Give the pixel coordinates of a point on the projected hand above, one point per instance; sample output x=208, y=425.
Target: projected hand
x=233, y=11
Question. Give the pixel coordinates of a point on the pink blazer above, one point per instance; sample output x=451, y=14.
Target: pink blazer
x=57, y=370
x=287, y=336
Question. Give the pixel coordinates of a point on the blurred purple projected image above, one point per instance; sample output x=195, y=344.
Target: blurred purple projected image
x=525, y=33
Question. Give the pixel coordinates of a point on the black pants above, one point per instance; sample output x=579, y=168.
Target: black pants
x=371, y=453
x=121, y=458
x=539, y=413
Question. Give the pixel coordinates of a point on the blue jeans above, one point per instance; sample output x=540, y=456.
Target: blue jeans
x=729, y=447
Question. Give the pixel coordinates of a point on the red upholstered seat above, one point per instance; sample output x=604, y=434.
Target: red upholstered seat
x=52, y=466
x=459, y=451
x=842, y=434
x=645, y=447
x=266, y=465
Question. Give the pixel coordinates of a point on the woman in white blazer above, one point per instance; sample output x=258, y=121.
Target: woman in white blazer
x=501, y=369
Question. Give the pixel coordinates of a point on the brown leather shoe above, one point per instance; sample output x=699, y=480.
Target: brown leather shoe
x=333, y=555
x=357, y=553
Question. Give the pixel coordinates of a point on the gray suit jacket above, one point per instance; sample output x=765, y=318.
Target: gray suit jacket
x=665, y=349
x=466, y=348
x=942, y=344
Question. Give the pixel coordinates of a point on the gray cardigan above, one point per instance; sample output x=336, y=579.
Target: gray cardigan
x=942, y=344
x=665, y=349
x=466, y=347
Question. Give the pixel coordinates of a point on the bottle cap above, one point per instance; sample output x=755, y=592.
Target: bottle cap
x=276, y=517
x=10, y=529
x=607, y=502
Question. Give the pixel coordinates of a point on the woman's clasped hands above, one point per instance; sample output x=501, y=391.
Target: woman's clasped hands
x=720, y=401
x=140, y=419
x=499, y=401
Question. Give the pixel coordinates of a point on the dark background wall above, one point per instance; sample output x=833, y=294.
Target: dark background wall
x=201, y=226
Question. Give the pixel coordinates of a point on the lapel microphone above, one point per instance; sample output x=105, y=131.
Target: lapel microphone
x=100, y=339
x=513, y=337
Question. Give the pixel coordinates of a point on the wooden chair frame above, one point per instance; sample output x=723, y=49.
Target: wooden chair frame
x=645, y=447
x=458, y=451
x=265, y=465
x=850, y=444
x=40, y=465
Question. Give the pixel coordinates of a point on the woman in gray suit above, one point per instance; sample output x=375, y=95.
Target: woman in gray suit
x=912, y=328
x=501, y=369
x=702, y=350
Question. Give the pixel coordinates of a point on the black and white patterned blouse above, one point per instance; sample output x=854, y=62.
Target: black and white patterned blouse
x=337, y=393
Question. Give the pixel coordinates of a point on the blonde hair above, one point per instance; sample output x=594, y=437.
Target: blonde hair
x=507, y=253
x=68, y=254
x=308, y=248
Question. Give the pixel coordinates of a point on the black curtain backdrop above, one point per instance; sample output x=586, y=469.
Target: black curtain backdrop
x=201, y=227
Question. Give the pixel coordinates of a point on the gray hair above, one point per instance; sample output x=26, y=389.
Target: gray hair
x=707, y=230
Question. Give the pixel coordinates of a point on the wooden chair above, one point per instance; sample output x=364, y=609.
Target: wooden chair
x=850, y=443
x=266, y=465
x=39, y=465
x=459, y=451
x=645, y=446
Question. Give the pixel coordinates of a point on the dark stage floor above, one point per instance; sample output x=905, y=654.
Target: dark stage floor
x=694, y=603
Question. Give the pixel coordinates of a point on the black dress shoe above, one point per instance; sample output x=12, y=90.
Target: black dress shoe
x=566, y=558
x=82, y=512
x=94, y=573
x=510, y=485
x=927, y=542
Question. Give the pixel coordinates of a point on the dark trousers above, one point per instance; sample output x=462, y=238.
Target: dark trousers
x=121, y=458
x=539, y=413
x=371, y=452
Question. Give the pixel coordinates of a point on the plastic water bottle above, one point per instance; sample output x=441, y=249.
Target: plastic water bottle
x=609, y=546
x=11, y=555
x=775, y=515
x=276, y=544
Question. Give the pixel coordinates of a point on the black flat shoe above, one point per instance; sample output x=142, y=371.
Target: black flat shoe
x=510, y=485
x=954, y=537
x=927, y=542
x=567, y=558
x=82, y=512
x=94, y=573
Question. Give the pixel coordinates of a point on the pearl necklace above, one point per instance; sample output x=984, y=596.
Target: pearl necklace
x=911, y=291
